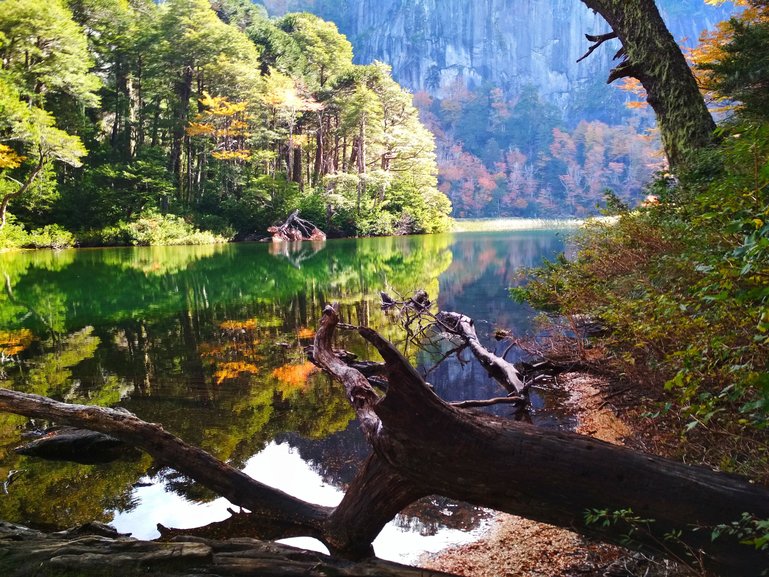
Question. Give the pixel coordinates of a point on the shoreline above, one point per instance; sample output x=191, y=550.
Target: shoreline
x=517, y=547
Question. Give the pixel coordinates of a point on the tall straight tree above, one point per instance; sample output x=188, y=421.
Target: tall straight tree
x=192, y=44
x=651, y=55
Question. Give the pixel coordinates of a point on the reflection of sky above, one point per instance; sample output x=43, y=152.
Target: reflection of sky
x=281, y=467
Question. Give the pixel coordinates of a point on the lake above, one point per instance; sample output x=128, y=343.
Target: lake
x=209, y=341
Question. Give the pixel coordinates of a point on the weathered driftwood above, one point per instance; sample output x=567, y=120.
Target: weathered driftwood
x=422, y=446
x=500, y=370
x=417, y=309
x=24, y=553
x=295, y=229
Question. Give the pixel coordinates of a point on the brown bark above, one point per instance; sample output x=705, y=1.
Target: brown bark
x=654, y=58
x=423, y=446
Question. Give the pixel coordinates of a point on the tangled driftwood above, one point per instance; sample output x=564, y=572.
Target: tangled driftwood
x=296, y=229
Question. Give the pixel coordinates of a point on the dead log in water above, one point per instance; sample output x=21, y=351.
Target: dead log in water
x=424, y=446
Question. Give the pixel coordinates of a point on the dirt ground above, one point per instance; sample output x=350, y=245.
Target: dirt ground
x=516, y=547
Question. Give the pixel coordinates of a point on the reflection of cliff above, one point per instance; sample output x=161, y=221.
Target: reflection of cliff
x=336, y=458
x=485, y=265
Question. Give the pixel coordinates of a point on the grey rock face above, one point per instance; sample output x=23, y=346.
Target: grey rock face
x=510, y=43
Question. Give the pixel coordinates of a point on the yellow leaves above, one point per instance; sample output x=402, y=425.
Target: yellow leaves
x=14, y=342
x=200, y=129
x=237, y=155
x=221, y=106
x=247, y=325
x=9, y=158
x=294, y=377
x=226, y=123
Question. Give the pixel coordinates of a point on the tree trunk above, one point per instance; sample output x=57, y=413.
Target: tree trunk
x=653, y=57
x=424, y=446
x=23, y=188
x=94, y=552
x=183, y=93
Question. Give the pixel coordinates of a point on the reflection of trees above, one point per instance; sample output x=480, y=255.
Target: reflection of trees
x=427, y=516
x=206, y=340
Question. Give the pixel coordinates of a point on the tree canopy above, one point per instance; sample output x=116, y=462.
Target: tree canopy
x=222, y=116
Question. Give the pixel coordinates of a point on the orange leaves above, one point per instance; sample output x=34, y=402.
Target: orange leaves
x=247, y=325
x=305, y=333
x=711, y=47
x=235, y=354
x=293, y=376
x=245, y=350
x=232, y=370
x=14, y=342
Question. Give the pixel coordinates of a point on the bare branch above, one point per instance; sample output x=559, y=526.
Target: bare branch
x=598, y=40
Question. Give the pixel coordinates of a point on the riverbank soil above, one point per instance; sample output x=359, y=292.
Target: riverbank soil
x=517, y=547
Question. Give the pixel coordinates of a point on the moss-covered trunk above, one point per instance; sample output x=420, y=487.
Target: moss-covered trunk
x=653, y=57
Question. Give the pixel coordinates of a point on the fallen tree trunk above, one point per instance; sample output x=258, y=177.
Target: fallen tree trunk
x=424, y=446
x=24, y=552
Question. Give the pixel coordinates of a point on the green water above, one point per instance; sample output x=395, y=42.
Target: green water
x=209, y=341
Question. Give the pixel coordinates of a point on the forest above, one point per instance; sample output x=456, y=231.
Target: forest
x=188, y=122
x=669, y=301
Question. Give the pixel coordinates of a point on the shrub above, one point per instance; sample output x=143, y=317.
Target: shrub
x=12, y=234
x=682, y=290
x=153, y=228
x=50, y=236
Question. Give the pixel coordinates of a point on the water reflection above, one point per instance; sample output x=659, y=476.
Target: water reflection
x=209, y=341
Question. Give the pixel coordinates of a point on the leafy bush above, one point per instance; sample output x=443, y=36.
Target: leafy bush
x=682, y=288
x=151, y=228
x=50, y=236
x=12, y=235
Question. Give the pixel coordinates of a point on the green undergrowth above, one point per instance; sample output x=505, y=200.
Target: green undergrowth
x=149, y=229
x=682, y=288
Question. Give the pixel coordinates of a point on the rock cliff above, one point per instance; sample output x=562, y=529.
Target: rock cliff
x=510, y=43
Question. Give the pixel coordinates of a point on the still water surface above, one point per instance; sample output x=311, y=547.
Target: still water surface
x=209, y=341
